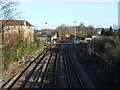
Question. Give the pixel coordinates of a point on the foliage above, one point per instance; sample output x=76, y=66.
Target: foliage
x=8, y=55
x=103, y=45
x=107, y=33
x=110, y=47
x=16, y=52
x=104, y=60
x=103, y=32
x=81, y=30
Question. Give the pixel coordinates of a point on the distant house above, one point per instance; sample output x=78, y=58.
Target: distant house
x=45, y=31
x=88, y=39
x=13, y=29
x=48, y=35
x=51, y=37
x=97, y=36
x=116, y=32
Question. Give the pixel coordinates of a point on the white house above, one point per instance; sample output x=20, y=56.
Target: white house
x=88, y=40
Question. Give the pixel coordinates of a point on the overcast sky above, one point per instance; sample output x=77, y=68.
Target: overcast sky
x=98, y=14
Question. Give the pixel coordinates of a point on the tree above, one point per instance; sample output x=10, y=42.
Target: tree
x=90, y=32
x=82, y=28
x=110, y=32
x=8, y=9
x=102, y=31
x=57, y=34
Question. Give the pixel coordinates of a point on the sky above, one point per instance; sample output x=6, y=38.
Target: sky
x=97, y=14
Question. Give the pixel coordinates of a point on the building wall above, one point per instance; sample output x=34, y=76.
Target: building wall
x=11, y=33
x=29, y=33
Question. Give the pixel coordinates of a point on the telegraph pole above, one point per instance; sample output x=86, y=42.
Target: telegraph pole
x=75, y=27
x=46, y=31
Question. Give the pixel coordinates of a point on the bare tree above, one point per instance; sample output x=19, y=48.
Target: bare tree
x=8, y=9
x=82, y=28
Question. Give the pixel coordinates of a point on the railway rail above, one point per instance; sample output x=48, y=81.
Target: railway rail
x=52, y=68
x=73, y=77
x=40, y=54
x=27, y=72
x=49, y=77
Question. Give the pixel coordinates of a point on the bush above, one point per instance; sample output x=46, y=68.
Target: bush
x=103, y=45
x=111, y=54
x=14, y=52
x=105, y=61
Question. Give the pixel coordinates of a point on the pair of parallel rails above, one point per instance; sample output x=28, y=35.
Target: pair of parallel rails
x=73, y=78
x=37, y=74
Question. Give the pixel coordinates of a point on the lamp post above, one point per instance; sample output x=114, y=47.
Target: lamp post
x=75, y=27
x=46, y=31
x=46, y=25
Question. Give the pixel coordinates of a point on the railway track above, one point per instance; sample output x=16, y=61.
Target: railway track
x=36, y=77
x=52, y=68
x=22, y=79
x=30, y=64
x=73, y=77
x=49, y=77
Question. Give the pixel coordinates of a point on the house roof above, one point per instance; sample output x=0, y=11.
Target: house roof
x=41, y=35
x=12, y=22
x=45, y=34
x=47, y=30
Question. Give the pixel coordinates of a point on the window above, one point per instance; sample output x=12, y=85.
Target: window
x=12, y=27
x=20, y=27
x=7, y=27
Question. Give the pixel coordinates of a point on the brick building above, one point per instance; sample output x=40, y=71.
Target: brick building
x=13, y=29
